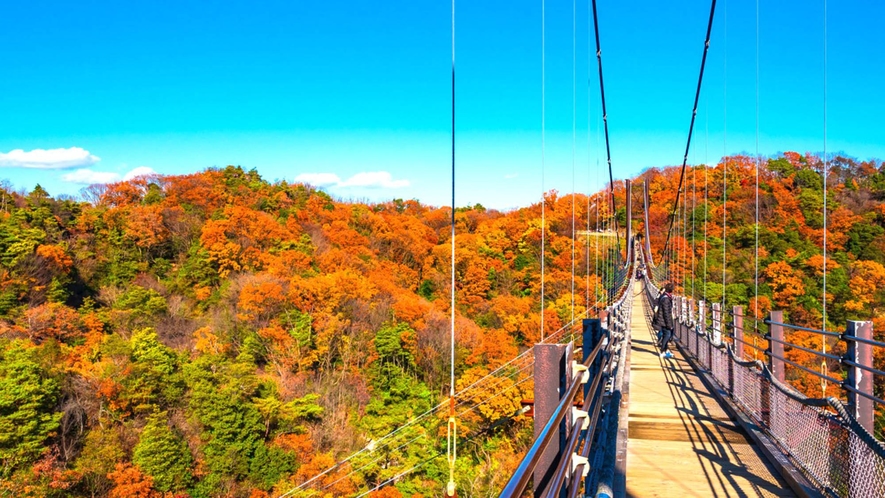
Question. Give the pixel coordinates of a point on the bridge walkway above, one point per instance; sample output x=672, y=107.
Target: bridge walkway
x=680, y=441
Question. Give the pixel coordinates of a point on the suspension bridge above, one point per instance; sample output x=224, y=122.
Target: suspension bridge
x=613, y=416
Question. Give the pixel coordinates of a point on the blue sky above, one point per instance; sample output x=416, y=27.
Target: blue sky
x=356, y=94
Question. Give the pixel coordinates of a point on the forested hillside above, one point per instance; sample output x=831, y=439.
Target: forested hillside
x=215, y=334
x=790, y=248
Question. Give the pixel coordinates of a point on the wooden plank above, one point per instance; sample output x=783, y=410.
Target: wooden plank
x=681, y=442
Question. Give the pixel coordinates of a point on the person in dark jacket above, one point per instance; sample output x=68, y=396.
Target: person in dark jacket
x=663, y=318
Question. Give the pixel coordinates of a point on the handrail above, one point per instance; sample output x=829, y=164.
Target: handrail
x=862, y=367
x=815, y=352
x=804, y=329
x=588, y=439
x=565, y=463
x=861, y=340
x=520, y=479
x=839, y=359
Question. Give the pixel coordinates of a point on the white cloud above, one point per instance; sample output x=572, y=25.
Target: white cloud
x=319, y=179
x=374, y=179
x=72, y=157
x=139, y=171
x=369, y=179
x=90, y=177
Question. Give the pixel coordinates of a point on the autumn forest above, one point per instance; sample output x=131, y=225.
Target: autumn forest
x=219, y=335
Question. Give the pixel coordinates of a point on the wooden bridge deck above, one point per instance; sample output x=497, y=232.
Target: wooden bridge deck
x=681, y=442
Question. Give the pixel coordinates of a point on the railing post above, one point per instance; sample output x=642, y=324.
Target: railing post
x=702, y=315
x=552, y=375
x=776, y=345
x=862, y=354
x=677, y=317
x=738, y=323
x=717, y=323
x=592, y=333
x=686, y=317
x=775, y=364
x=738, y=317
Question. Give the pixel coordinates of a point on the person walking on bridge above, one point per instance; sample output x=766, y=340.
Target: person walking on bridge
x=663, y=318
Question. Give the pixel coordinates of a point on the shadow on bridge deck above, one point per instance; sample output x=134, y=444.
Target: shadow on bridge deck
x=680, y=440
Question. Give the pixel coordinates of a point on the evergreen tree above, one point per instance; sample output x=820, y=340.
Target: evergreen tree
x=27, y=397
x=163, y=454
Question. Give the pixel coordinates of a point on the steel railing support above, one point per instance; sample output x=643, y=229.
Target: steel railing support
x=738, y=317
x=552, y=366
x=862, y=354
x=776, y=345
x=737, y=314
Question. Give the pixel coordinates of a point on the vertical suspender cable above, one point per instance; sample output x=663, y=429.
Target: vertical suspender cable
x=684, y=243
x=725, y=152
x=451, y=430
x=543, y=153
x=823, y=341
x=598, y=207
x=587, y=251
x=694, y=206
x=574, y=139
x=756, y=226
x=706, y=190
x=590, y=189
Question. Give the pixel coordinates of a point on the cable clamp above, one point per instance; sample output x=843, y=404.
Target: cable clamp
x=578, y=413
x=579, y=368
x=452, y=442
x=578, y=460
x=450, y=488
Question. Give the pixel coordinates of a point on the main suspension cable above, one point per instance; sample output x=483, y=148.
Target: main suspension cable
x=694, y=113
x=608, y=154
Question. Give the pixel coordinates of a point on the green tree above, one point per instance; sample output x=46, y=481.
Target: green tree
x=28, y=395
x=141, y=304
x=154, y=377
x=163, y=454
x=232, y=426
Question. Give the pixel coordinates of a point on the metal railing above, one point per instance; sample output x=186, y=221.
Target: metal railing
x=596, y=373
x=830, y=441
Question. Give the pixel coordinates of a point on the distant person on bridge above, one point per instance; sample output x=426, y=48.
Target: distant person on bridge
x=663, y=318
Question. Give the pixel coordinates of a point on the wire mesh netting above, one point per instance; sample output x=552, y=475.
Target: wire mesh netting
x=831, y=452
x=703, y=350
x=829, y=447
x=721, y=366
x=748, y=389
